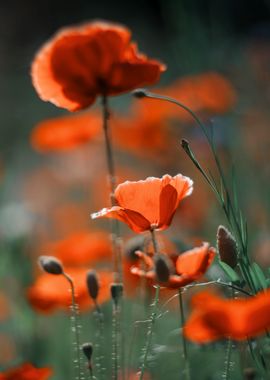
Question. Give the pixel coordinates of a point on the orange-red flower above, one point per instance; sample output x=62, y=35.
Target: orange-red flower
x=215, y=318
x=26, y=372
x=189, y=266
x=66, y=132
x=81, y=248
x=97, y=58
x=50, y=292
x=148, y=204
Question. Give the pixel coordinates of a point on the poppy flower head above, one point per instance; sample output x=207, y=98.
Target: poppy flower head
x=148, y=204
x=82, y=62
x=215, y=318
x=64, y=133
x=26, y=372
x=50, y=293
x=189, y=266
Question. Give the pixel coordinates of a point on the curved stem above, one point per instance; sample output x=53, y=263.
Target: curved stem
x=152, y=320
x=74, y=309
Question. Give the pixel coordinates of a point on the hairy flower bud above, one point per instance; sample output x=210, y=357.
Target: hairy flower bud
x=92, y=284
x=87, y=349
x=227, y=246
x=134, y=244
x=139, y=93
x=162, y=268
x=116, y=292
x=50, y=264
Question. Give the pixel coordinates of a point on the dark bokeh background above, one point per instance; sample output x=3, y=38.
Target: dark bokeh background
x=188, y=35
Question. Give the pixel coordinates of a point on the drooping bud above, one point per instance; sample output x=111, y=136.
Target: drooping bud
x=116, y=292
x=139, y=93
x=227, y=246
x=249, y=374
x=50, y=264
x=92, y=284
x=134, y=244
x=162, y=268
x=87, y=349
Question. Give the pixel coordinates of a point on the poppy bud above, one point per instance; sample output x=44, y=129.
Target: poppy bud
x=87, y=349
x=92, y=284
x=139, y=93
x=249, y=374
x=162, y=269
x=227, y=247
x=116, y=292
x=50, y=264
x=134, y=244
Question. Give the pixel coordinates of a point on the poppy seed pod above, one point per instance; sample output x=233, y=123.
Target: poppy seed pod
x=87, y=349
x=50, y=264
x=162, y=269
x=227, y=246
x=116, y=292
x=92, y=284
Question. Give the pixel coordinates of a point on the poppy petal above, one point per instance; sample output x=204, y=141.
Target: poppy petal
x=133, y=219
x=196, y=261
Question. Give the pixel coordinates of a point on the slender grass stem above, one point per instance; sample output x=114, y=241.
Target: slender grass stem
x=184, y=342
x=75, y=327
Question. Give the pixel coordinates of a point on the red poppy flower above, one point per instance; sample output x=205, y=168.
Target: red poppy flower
x=65, y=133
x=26, y=372
x=215, y=318
x=189, y=266
x=97, y=58
x=50, y=292
x=148, y=204
x=81, y=248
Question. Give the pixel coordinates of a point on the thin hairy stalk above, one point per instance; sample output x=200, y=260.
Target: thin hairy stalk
x=227, y=362
x=99, y=343
x=112, y=181
x=153, y=315
x=150, y=330
x=76, y=330
x=184, y=342
x=117, y=341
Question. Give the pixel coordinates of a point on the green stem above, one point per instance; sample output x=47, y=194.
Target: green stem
x=228, y=353
x=184, y=342
x=153, y=315
x=152, y=320
x=116, y=241
x=74, y=308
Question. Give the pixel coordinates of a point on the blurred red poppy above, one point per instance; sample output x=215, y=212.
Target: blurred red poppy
x=26, y=372
x=215, y=318
x=50, y=292
x=148, y=204
x=208, y=92
x=81, y=248
x=65, y=133
x=97, y=58
x=189, y=266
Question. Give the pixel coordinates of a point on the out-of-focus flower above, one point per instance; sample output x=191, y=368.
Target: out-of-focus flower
x=82, y=62
x=65, y=133
x=148, y=204
x=215, y=318
x=189, y=266
x=81, y=248
x=50, y=293
x=26, y=372
x=143, y=135
x=208, y=92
